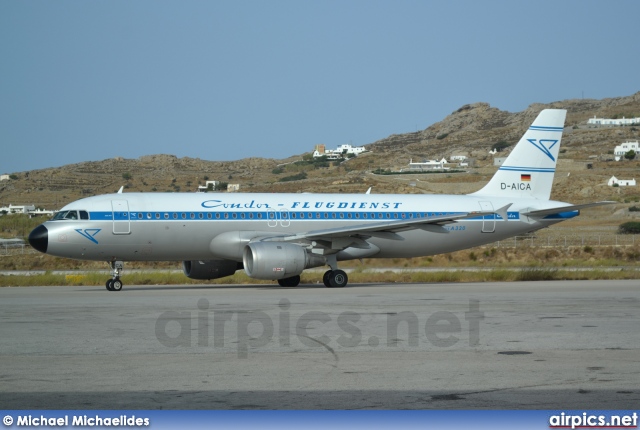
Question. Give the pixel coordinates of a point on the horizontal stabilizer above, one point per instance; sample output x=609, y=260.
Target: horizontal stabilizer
x=570, y=208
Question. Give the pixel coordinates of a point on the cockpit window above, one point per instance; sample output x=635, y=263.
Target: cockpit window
x=68, y=215
x=84, y=214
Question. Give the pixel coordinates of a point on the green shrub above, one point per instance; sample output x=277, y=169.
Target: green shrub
x=298, y=177
x=631, y=227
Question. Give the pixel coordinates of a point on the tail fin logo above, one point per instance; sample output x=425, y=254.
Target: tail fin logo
x=545, y=146
x=89, y=233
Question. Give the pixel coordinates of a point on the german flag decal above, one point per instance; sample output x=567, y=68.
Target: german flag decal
x=525, y=178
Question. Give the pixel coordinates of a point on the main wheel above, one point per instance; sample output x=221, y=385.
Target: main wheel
x=109, y=284
x=338, y=279
x=293, y=281
x=325, y=278
x=116, y=285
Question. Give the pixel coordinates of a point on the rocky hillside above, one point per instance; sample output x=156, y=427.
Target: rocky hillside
x=472, y=130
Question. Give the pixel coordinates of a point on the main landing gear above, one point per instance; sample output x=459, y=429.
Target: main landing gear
x=331, y=279
x=114, y=284
x=334, y=278
x=289, y=282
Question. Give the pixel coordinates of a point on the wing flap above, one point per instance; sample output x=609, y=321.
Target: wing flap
x=388, y=229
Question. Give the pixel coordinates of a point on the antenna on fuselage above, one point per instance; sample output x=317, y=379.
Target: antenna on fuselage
x=120, y=190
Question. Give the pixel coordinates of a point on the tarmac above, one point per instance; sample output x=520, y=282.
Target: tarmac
x=511, y=345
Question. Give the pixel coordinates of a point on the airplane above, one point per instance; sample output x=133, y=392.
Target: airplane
x=278, y=236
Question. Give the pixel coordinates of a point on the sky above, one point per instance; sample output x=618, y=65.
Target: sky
x=225, y=80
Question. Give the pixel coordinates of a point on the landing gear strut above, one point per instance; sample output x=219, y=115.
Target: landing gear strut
x=114, y=284
x=334, y=278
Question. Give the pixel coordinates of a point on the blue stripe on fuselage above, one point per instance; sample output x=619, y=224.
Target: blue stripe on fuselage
x=277, y=215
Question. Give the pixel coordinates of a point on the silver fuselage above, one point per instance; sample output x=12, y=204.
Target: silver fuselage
x=180, y=226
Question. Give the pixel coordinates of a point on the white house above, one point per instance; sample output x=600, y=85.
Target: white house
x=21, y=209
x=458, y=157
x=333, y=154
x=620, y=150
x=429, y=165
x=205, y=187
x=611, y=121
x=232, y=188
x=4, y=177
x=622, y=182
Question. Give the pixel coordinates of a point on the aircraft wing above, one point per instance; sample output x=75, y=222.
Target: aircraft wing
x=561, y=209
x=388, y=229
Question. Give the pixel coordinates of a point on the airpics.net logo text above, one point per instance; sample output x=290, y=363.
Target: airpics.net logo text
x=209, y=326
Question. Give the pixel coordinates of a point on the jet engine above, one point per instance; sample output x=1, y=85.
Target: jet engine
x=209, y=269
x=277, y=260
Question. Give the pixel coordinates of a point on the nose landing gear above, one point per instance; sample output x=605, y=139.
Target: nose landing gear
x=114, y=284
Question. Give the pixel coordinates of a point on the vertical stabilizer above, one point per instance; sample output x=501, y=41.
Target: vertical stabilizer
x=528, y=170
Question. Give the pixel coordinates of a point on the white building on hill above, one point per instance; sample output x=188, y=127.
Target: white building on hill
x=429, y=165
x=321, y=151
x=622, y=182
x=620, y=150
x=611, y=121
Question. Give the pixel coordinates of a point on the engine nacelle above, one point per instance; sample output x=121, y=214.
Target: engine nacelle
x=209, y=269
x=277, y=260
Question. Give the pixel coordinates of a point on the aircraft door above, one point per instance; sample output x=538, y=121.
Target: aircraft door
x=121, y=221
x=284, y=218
x=488, y=221
x=272, y=220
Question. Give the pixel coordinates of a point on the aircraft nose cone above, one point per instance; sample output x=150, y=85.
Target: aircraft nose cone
x=39, y=238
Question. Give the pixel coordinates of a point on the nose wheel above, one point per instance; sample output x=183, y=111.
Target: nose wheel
x=115, y=284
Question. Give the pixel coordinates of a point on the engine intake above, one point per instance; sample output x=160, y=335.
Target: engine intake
x=277, y=260
x=209, y=269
